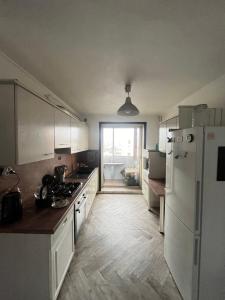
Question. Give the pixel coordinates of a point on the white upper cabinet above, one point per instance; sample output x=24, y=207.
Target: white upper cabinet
x=162, y=137
x=35, y=128
x=74, y=135
x=62, y=130
x=26, y=126
x=83, y=137
x=79, y=136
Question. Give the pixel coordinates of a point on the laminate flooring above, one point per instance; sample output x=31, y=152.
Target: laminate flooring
x=119, y=254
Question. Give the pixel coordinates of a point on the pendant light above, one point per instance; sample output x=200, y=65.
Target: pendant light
x=128, y=109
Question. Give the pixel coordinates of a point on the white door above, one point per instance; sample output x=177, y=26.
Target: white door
x=212, y=262
x=179, y=254
x=182, y=196
x=35, y=127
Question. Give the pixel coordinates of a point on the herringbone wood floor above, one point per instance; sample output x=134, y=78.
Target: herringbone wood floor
x=119, y=254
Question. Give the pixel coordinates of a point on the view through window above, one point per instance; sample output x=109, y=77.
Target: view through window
x=118, y=142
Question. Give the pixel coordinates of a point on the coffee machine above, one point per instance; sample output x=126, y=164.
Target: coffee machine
x=11, y=208
x=60, y=173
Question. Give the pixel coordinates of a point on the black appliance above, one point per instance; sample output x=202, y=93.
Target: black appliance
x=11, y=208
x=60, y=172
x=66, y=189
x=52, y=190
x=45, y=197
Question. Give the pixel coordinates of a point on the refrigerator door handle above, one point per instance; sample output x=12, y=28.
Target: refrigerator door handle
x=196, y=251
x=197, y=207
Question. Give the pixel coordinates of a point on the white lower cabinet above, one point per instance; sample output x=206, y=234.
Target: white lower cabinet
x=92, y=188
x=62, y=252
x=33, y=266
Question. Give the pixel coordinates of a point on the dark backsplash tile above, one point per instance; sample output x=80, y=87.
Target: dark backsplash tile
x=89, y=157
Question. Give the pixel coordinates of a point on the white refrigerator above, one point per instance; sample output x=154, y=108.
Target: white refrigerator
x=194, y=245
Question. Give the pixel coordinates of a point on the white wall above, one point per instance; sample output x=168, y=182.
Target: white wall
x=152, y=128
x=212, y=94
x=10, y=70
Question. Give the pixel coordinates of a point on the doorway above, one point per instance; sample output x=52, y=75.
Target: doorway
x=121, y=147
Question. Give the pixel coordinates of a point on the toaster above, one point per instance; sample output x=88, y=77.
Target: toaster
x=11, y=208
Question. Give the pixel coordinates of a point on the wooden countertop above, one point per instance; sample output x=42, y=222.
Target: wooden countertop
x=42, y=220
x=157, y=186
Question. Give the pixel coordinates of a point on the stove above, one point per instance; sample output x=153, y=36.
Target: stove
x=65, y=189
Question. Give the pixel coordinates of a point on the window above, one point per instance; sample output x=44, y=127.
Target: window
x=123, y=141
x=118, y=142
x=108, y=141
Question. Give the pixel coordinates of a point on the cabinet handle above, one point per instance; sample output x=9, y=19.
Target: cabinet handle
x=63, y=144
x=65, y=222
x=46, y=154
x=78, y=210
x=196, y=249
x=197, y=205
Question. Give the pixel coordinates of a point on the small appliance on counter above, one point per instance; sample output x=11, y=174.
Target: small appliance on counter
x=153, y=165
x=60, y=173
x=11, y=208
x=53, y=193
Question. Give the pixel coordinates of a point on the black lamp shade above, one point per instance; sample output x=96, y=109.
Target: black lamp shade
x=128, y=109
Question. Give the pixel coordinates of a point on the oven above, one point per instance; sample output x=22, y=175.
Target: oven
x=80, y=213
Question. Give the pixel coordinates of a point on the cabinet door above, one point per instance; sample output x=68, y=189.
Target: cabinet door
x=35, y=127
x=91, y=191
x=75, y=133
x=83, y=137
x=162, y=137
x=62, y=130
x=63, y=253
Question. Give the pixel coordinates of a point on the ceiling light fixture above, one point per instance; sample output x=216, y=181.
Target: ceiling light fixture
x=128, y=109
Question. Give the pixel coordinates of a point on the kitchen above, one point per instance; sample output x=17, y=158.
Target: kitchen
x=65, y=69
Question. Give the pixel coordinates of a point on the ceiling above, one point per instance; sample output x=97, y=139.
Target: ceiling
x=85, y=51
